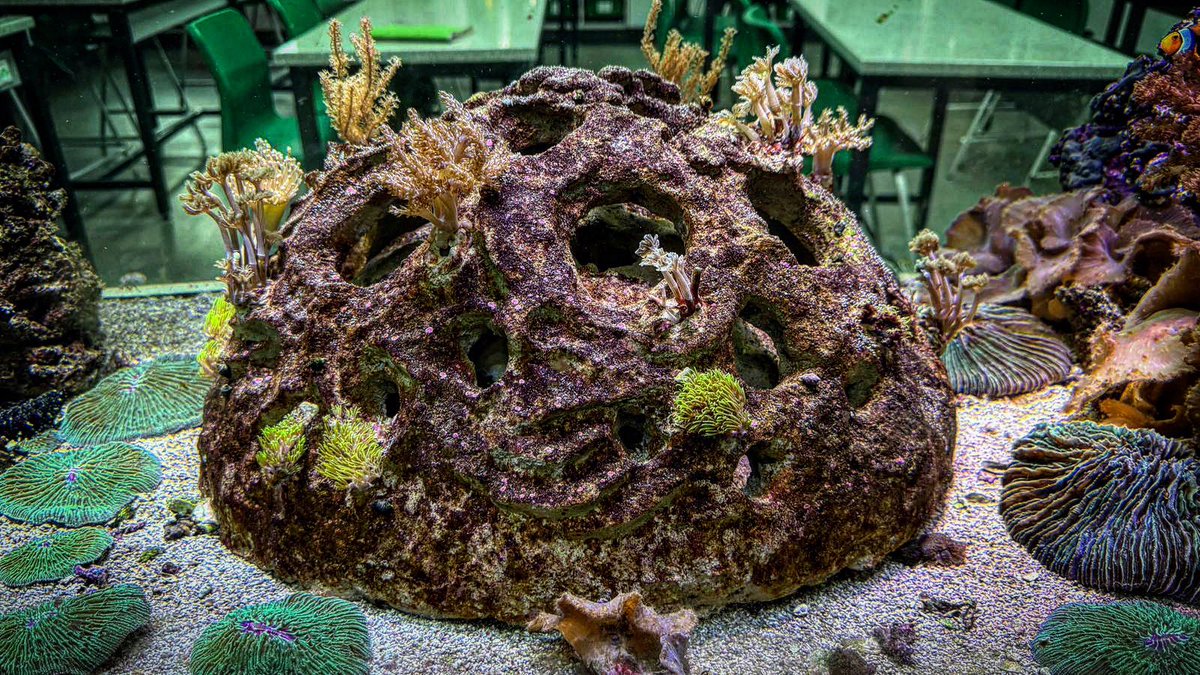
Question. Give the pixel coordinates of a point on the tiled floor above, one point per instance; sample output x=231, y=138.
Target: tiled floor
x=124, y=227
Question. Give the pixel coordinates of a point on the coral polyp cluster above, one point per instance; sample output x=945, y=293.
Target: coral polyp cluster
x=349, y=453
x=681, y=62
x=359, y=103
x=710, y=403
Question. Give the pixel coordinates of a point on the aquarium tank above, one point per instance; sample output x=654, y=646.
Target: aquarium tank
x=626, y=337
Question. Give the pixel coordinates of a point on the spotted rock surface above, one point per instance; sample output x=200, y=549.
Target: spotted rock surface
x=522, y=386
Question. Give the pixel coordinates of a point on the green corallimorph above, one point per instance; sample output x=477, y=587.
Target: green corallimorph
x=1124, y=638
x=54, y=557
x=349, y=454
x=299, y=635
x=149, y=399
x=216, y=322
x=711, y=403
x=74, y=636
x=209, y=358
x=282, y=444
x=77, y=487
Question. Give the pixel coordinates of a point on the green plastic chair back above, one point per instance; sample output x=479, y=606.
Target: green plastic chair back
x=756, y=32
x=297, y=16
x=330, y=7
x=674, y=15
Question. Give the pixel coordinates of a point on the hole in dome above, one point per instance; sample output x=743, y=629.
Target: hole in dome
x=488, y=353
x=800, y=252
x=538, y=128
x=609, y=234
x=760, y=348
x=631, y=431
x=760, y=465
x=382, y=245
x=391, y=401
x=780, y=204
x=860, y=383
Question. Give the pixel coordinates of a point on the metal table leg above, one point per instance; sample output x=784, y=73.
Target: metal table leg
x=868, y=101
x=303, y=83
x=1133, y=28
x=941, y=98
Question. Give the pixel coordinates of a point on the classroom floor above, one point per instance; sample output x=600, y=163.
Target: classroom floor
x=125, y=230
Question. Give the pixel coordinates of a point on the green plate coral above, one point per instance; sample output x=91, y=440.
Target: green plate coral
x=78, y=487
x=1125, y=638
x=151, y=398
x=299, y=635
x=1109, y=507
x=54, y=557
x=74, y=636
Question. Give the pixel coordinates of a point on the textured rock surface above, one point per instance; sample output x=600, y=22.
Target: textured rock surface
x=564, y=474
x=49, y=325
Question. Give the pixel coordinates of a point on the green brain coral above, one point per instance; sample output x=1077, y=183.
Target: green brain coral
x=77, y=487
x=54, y=557
x=349, y=454
x=299, y=635
x=1128, y=638
x=74, y=636
x=154, y=397
x=711, y=403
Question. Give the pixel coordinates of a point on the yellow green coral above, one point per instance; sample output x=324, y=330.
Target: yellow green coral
x=349, y=454
x=281, y=445
x=710, y=403
x=218, y=328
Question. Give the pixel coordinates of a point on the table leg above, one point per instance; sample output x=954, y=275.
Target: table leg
x=1112, y=31
x=799, y=32
x=941, y=98
x=1133, y=28
x=143, y=107
x=303, y=83
x=33, y=82
x=868, y=101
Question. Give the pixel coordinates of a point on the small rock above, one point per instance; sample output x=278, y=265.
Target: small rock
x=801, y=610
x=92, y=576
x=182, y=508
x=1031, y=576
x=383, y=507
x=204, y=592
x=170, y=568
x=979, y=498
x=178, y=529
x=151, y=553
x=810, y=380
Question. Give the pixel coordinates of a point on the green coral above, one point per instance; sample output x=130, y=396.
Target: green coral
x=299, y=635
x=77, y=487
x=219, y=329
x=710, y=403
x=74, y=636
x=149, y=399
x=1129, y=638
x=349, y=454
x=281, y=445
x=54, y=557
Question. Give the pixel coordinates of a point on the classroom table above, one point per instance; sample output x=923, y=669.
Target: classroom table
x=503, y=41
x=945, y=45
x=131, y=22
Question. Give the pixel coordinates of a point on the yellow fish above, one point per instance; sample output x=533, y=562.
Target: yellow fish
x=1181, y=41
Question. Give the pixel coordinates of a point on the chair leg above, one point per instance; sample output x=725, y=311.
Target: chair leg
x=871, y=212
x=1042, y=156
x=905, y=202
x=983, y=115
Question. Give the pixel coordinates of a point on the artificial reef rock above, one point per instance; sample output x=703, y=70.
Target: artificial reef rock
x=520, y=376
x=49, y=294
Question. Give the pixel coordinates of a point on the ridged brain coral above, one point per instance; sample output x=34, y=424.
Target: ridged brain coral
x=1005, y=351
x=1109, y=507
x=298, y=635
x=155, y=397
x=74, y=636
x=54, y=557
x=1127, y=638
x=77, y=487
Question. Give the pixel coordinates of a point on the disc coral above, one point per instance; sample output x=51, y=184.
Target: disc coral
x=1130, y=638
x=77, y=487
x=298, y=635
x=151, y=398
x=74, y=636
x=54, y=557
x=1109, y=507
x=1005, y=351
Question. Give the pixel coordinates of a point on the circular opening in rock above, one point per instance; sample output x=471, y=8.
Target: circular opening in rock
x=780, y=204
x=487, y=350
x=609, y=234
x=537, y=128
x=760, y=347
x=383, y=245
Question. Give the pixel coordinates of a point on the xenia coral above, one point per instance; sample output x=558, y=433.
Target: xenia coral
x=281, y=445
x=77, y=487
x=298, y=635
x=246, y=193
x=76, y=635
x=683, y=62
x=54, y=557
x=154, y=397
x=621, y=635
x=779, y=110
x=1109, y=507
x=710, y=403
x=218, y=327
x=1130, y=638
x=681, y=296
x=349, y=454
x=359, y=104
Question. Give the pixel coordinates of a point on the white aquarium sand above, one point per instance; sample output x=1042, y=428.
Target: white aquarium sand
x=1013, y=593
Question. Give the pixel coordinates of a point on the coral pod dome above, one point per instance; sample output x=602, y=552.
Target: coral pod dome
x=506, y=390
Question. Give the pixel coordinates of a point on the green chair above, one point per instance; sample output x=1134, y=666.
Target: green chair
x=330, y=7
x=239, y=65
x=297, y=16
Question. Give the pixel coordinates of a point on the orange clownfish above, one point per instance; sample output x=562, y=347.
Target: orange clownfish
x=1181, y=41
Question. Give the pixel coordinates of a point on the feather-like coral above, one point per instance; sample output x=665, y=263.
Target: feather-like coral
x=349, y=454
x=300, y=635
x=683, y=62
x=710, y=403
x=1129, y=638
x=281, y=445
x=75, y=636
x=681, y=296
x=1109, y=507
x=359, y=103
x=77, y=487
x=154, y=397
x=54, y=557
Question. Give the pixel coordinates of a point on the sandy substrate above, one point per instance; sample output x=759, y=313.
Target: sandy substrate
x=1013, y=593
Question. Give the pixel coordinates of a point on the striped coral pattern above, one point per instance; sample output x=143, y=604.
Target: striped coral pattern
x=54, y=557
x=1129, y=638
x=1005, y=351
